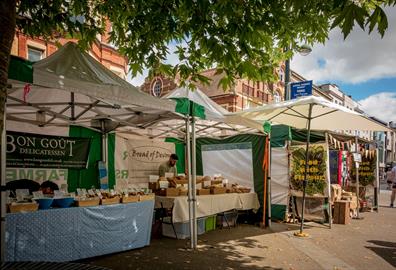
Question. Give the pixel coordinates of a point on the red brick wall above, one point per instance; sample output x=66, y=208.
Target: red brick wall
x=104, y=53
x=168, y=85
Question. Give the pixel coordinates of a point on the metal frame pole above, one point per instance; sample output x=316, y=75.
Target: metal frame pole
x=357, y=179
x=287, y=77
x=194, y=181
x=188, y=154
x=306, y=167
x=329, y=204
x=269, y=180
x=377, y=188
x=3, y=190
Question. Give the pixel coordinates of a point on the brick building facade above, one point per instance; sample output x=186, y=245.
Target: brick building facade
x=35, y=49
x=243, y=95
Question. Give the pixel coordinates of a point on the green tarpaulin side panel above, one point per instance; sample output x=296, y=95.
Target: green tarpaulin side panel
x=89, y=177
x=180, y=152
x=300, y=135
x=111, y=138
x=258, y=143
x=187, y=107
x=282, y=133
x=278, y=211
x=20, y=70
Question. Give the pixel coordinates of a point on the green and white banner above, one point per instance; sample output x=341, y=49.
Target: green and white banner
x=44, y=151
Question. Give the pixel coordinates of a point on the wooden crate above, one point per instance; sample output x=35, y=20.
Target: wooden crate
x=87, y=203
x=23, y=207
x=218, y=190
x=204, y=191
x=341, y=212
x=147, y=197
x=129, y=199
x=114, y=200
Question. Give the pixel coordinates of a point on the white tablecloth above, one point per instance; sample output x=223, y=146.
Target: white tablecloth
x=208, y=205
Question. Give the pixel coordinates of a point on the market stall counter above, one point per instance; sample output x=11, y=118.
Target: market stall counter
x=208, y=205
x=78, y=232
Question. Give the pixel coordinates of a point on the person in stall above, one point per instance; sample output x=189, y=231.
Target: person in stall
x=48, y=187
x=169, y=166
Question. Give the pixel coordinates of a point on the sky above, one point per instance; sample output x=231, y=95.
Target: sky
x=363, y=65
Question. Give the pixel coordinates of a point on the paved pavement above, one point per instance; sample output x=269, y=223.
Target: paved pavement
x=369, y=243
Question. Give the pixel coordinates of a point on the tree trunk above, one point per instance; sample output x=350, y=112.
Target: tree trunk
x=7, y=32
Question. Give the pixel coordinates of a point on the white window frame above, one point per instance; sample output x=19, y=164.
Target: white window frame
x=154, y=83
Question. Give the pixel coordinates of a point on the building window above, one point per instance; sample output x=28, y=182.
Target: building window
x=277, y=97
x=157, y=88
x=35, y=54
x=281, y=75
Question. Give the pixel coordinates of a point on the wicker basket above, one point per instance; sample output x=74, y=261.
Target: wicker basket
x=89, y=202
x=147, y=197
x=129, y=199
x=114, y=200
x=23, y=207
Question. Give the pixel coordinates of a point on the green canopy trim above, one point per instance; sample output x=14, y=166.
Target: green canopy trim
x=267, y=127
x=20, y=69
x=179, y=149
x=282, y=133
x=188, y=107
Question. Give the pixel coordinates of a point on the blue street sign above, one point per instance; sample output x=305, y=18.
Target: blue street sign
x=300, y=89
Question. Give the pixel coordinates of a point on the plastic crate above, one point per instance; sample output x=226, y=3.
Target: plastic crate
x=210, y=223
x=182, y=229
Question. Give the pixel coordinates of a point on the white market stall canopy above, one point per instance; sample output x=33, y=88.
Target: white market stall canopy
x=211, y=121
x=71, y=87
x=325, y=115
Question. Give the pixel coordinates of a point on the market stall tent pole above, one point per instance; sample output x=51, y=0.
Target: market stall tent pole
x=306, y=168
x=3, y=187
x=268, y=146
x=329, y=206
x=194, y=179
x=377, y=188
x=188, y=154
x=357, y=178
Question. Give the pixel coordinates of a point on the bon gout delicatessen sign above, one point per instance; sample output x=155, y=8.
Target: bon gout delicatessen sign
x=42, y=151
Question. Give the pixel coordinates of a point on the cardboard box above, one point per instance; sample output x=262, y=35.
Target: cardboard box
x=204, y=191
x=23, y=207
x=218, y=190
x=88, y=202
x=341, y=212
x=129, y=199
x=114, y=200
x=147, y=197
x=183, y=193
x=169, y=192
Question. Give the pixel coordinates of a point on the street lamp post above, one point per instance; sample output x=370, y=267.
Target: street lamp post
x=303, y=50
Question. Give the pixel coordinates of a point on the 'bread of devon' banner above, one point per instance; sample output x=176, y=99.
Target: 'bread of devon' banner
x=42, y=151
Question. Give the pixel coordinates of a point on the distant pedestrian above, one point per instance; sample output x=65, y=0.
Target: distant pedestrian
x=388, y=178
x=393, y=175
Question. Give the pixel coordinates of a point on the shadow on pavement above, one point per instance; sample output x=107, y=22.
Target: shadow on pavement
x=220, y=249
x=386, y=250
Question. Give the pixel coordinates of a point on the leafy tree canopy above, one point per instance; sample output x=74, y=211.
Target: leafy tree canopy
x=242, y=38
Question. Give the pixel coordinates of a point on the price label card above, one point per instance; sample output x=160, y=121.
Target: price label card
x=164, y=184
